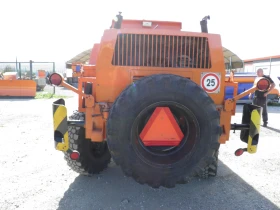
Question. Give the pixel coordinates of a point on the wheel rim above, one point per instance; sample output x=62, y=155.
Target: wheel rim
x=168, y=154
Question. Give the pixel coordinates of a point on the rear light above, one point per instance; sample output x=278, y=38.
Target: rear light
x=55, y=79
x=263, y=84
x=74, y=155
x=239, y=152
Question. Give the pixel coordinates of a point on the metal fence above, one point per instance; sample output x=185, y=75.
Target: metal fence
x=25, y=69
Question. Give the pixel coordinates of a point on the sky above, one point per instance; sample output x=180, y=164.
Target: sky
x=56, y=31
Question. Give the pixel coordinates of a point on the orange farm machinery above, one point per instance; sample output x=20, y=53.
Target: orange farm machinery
x=20, y=79
x=11, y=85
x=154, y=103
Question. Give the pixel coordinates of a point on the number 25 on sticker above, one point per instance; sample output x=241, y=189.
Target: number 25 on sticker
x=210, y=82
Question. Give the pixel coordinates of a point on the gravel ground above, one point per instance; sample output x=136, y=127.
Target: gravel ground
x=58, y=91
x=35, y=176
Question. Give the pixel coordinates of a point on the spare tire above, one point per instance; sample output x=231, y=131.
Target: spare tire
x=163, y=166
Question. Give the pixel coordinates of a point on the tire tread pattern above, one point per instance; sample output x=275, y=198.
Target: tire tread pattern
x=132, y=96
x=84, y=165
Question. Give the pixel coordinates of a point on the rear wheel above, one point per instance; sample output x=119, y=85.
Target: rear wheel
x=211, y=169
x=94, y=157
x=195, y=114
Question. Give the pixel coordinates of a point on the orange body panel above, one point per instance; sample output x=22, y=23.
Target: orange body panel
x=41, y=73
x=226, y=112
x=170, y=25
x=244, y=79
x=161, y=129
x=18, y=88
x=112, y=80
x=116, y=63
x=89, y=71
x=82, y=108
x=225, y=119
x=235, y=91
x=94, y=53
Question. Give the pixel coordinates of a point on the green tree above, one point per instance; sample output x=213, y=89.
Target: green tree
x=8, y=68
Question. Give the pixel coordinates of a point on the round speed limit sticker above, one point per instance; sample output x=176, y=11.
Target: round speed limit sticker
x=210, y=82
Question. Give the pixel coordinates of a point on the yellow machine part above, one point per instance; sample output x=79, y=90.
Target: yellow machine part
x=25, y=88
x=60, y=126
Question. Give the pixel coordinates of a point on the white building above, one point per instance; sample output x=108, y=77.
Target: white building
x=270, y=65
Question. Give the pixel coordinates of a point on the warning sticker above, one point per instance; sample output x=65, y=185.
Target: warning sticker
x=211, y=82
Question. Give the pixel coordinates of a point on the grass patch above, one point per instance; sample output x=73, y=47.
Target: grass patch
x=49, y=96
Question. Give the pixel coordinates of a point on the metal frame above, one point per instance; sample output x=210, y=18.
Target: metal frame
x=18, y=66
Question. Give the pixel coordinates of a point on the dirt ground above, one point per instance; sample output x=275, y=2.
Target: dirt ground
x=35, y=176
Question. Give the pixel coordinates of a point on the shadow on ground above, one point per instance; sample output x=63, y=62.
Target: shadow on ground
x=270, y=109
x=273, y=129
x=16, y=98
x=112, y=190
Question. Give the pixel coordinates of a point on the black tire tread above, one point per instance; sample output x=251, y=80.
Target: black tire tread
x=211, y=169
x=126, y=99
x=83, y=165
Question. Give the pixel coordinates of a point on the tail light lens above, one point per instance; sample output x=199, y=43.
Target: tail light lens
x=75, y=155
x=55, y=79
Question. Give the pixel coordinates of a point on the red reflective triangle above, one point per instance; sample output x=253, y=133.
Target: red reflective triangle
x=162, y=129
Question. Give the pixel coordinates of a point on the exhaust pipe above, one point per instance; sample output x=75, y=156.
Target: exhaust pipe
x=118, y=22
x=203, y=24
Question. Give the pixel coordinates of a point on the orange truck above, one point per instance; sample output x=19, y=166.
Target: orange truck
x=154, y=104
